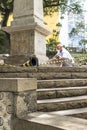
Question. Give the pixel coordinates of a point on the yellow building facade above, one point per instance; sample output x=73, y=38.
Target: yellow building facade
x=50, y=22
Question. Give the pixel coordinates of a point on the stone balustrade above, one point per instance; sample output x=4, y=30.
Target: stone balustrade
x=17, y=98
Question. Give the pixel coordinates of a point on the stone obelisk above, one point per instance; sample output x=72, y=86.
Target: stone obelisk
x=27, y=31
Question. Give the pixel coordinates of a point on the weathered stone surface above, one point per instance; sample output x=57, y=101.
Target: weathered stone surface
x=53, y=75
x=46, y=94
x=62, y=69
x=28, y=12
x=44, y=73
x=81, y=115
x=17, y=98
x=71, y=93
x=17, y=84
x=25, y=102
x=25, y=124
x=6, y=110
x=62, y=105
x=60, y=93
x=49, y=121
x=16, y=60
x=72, y=70
x=27, y=31
x=56, y=83
x=79, y=74
x=22, y=41
x=7, y=68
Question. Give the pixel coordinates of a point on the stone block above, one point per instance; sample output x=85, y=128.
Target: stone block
x=17, y=84
x=17, y=98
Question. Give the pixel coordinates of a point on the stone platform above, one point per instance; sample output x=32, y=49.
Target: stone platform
x=60, y=91
x=49, y=121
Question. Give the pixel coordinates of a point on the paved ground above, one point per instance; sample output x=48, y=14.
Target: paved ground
x=57, y=121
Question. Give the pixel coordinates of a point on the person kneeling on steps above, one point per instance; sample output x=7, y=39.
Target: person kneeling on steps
x=63, y=56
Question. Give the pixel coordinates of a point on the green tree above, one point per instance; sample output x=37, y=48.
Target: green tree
x=62, y=6
x=4, y=42
x=6, y=8
x=50, y=6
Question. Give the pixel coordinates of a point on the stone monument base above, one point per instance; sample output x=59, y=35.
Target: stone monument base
x=15, y=59
x=26, y=41
x=21, y=59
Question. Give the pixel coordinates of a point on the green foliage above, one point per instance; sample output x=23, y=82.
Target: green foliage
x=51, y=46
x=6, y=8
x=73, y=32
x=74, y=7
x=4, y=42
x=79, y=28
x=50, y=6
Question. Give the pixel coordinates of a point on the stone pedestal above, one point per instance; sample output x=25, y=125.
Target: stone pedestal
x=30, y=11
x=17, y=98
x=28, y=32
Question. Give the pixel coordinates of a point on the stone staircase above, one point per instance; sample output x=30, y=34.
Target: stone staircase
x=62, y=91
x=59, y=90
x=61, y=97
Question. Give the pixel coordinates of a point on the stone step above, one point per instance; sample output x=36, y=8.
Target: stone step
x=61, y=75
x=10, y=71
x=55, y=83
x=49, y=121
x=62, y=72
x=62, y=103
x=55, y=75
x=70, y=111
x=80, y=112
x=81, y=115
x=50, y=93
x=62, y=69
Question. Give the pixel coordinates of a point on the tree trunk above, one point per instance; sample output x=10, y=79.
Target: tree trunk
x=5, y=18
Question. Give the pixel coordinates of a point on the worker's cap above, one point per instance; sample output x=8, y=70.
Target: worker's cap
x=59, y=46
